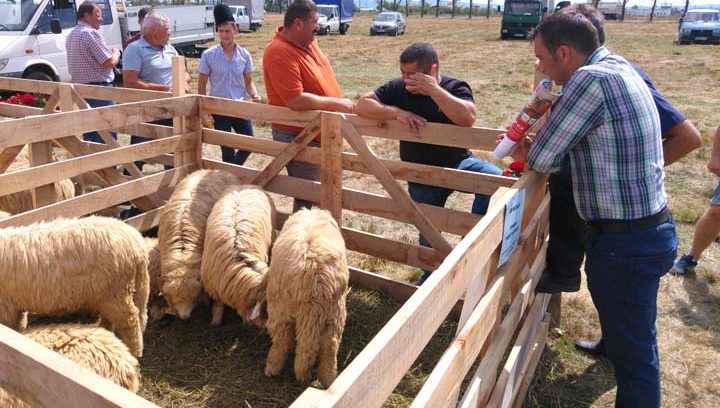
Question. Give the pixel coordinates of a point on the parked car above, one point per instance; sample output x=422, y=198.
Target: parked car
x=388, y=23
x=700, y=25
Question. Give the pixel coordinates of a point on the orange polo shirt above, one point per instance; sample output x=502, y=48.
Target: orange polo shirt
x=290, y=70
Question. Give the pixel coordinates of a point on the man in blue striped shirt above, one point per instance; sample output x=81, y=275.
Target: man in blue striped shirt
x=229, y=68
x=607, y=125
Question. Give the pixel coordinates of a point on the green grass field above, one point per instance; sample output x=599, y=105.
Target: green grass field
x=191, y=364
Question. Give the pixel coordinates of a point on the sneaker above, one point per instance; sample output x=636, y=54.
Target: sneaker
x=685, y=265
x=594, y=348
x=548, y=284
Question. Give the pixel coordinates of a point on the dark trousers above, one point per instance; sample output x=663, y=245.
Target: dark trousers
x=98, y=103
x=238, y=125
x=565, y=251
x=140, y=139
x=623, y=273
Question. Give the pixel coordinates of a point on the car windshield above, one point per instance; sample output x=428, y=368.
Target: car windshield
x=325, y=11
x=385, y=17
x=701, y=17
x=528, y=9
x=15, y=15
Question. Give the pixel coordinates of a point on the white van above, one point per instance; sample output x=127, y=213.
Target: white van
x=242, y=19
x=29, y=47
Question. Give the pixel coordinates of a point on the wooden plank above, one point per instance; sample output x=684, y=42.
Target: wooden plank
x=48, y=174
x=401, y=197
x=146, y=220
x=460, y=180
x=331, y=164
x=503, y=392
x=41, y=153
x=109, y=175
x=472, y=335
x=256, y=111
x=130, y=166
x=433, y=133
x=87, y=91
x=45, y=378
x=39, y=128
x=375, y=372
x=461, y=354
x=533, y=348
x=292, y=149
x=537, y=352
x=8, y=155
x=453, y=221
x=381, y=247
x=98, y=200
x=484, y=377
x=18, y=111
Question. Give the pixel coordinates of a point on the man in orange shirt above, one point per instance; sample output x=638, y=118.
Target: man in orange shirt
x=299, y=76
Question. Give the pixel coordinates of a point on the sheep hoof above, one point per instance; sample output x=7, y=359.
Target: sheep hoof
x=272, y=371
x=216, y=321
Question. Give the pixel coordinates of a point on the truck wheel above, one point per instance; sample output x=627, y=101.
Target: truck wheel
x=504, y=36
x=39, y=75
x=343, y=28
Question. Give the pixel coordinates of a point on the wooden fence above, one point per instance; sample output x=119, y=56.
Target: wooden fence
x=498, y=307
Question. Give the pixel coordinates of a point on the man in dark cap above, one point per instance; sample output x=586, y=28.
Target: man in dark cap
x=229, y=68
x=141, y=17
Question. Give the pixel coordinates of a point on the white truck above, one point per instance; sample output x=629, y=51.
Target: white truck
x=33, y=33
x=254, y=11
x=611, y=10
x=242, y=19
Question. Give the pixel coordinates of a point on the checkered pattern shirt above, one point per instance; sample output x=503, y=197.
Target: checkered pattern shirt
x=607, y=124
x=86, y=52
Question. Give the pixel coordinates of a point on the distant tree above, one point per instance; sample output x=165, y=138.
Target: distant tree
x=422, y=8
x=622, y=16
x=453, y=9
x=471, y=10
x=488, y=13
x=437, y=8
x=652, y=10
x=687, y=4
x=595, y=3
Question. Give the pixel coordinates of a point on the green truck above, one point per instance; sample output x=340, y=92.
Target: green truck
x=519, y=17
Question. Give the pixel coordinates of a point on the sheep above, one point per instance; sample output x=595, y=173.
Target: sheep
x=21, y=201
x=93, y=264
x=4, y=214
x=91, y=347
x=306, y=289
x=237, y=241
x=181, y=236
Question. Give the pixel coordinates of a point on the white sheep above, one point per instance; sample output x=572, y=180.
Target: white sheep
x=21, y=201
x=93, y=264
x=237, y=241
x=181, y=236
x=306, y=290
x=89, y=346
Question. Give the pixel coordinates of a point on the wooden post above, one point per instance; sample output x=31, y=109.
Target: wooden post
x=187, y=151
x=554, y=308
x=41, y=153
x=331, y=164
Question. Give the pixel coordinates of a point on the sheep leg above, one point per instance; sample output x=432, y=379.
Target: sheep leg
x=217, y=313
x=125, y=317
x=142, y=293
x=309, y=325
x=283, y=340
x=327, y=366
x=22, y=321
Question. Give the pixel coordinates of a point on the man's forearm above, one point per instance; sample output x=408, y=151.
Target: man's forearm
x=374, y=109
x=308, y=101
x=680, y=140
x=460, y=112
x=148, y=86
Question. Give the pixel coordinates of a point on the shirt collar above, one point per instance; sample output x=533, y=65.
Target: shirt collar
x=83, y=23
x=280, y=37
x=597, y=56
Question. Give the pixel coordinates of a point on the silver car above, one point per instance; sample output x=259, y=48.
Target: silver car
x=388, y=23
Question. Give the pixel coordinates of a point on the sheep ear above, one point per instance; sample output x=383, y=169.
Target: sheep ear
x=257, y=310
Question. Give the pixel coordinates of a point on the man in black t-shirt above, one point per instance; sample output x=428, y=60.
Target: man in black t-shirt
x=423, y=95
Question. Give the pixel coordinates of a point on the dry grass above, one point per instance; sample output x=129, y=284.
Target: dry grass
x=191, y=364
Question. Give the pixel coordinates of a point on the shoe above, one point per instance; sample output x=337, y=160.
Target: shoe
x=423, y=278
x=594, y=348
x=685, y=265
x=548, y=284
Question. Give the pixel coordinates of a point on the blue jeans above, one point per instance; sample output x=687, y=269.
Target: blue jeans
x=623, y=274
x=306, y=171
x=98, y=103
x=437, y=196
x=239, y=125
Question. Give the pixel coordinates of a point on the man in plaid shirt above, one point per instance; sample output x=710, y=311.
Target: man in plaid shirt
x=607, y=124
x=90, y=60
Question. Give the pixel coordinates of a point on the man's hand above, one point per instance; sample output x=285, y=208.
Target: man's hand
x=257, y=98
x=410, y=120
x=345, y=105
x=520, y=152
x=421, y=84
